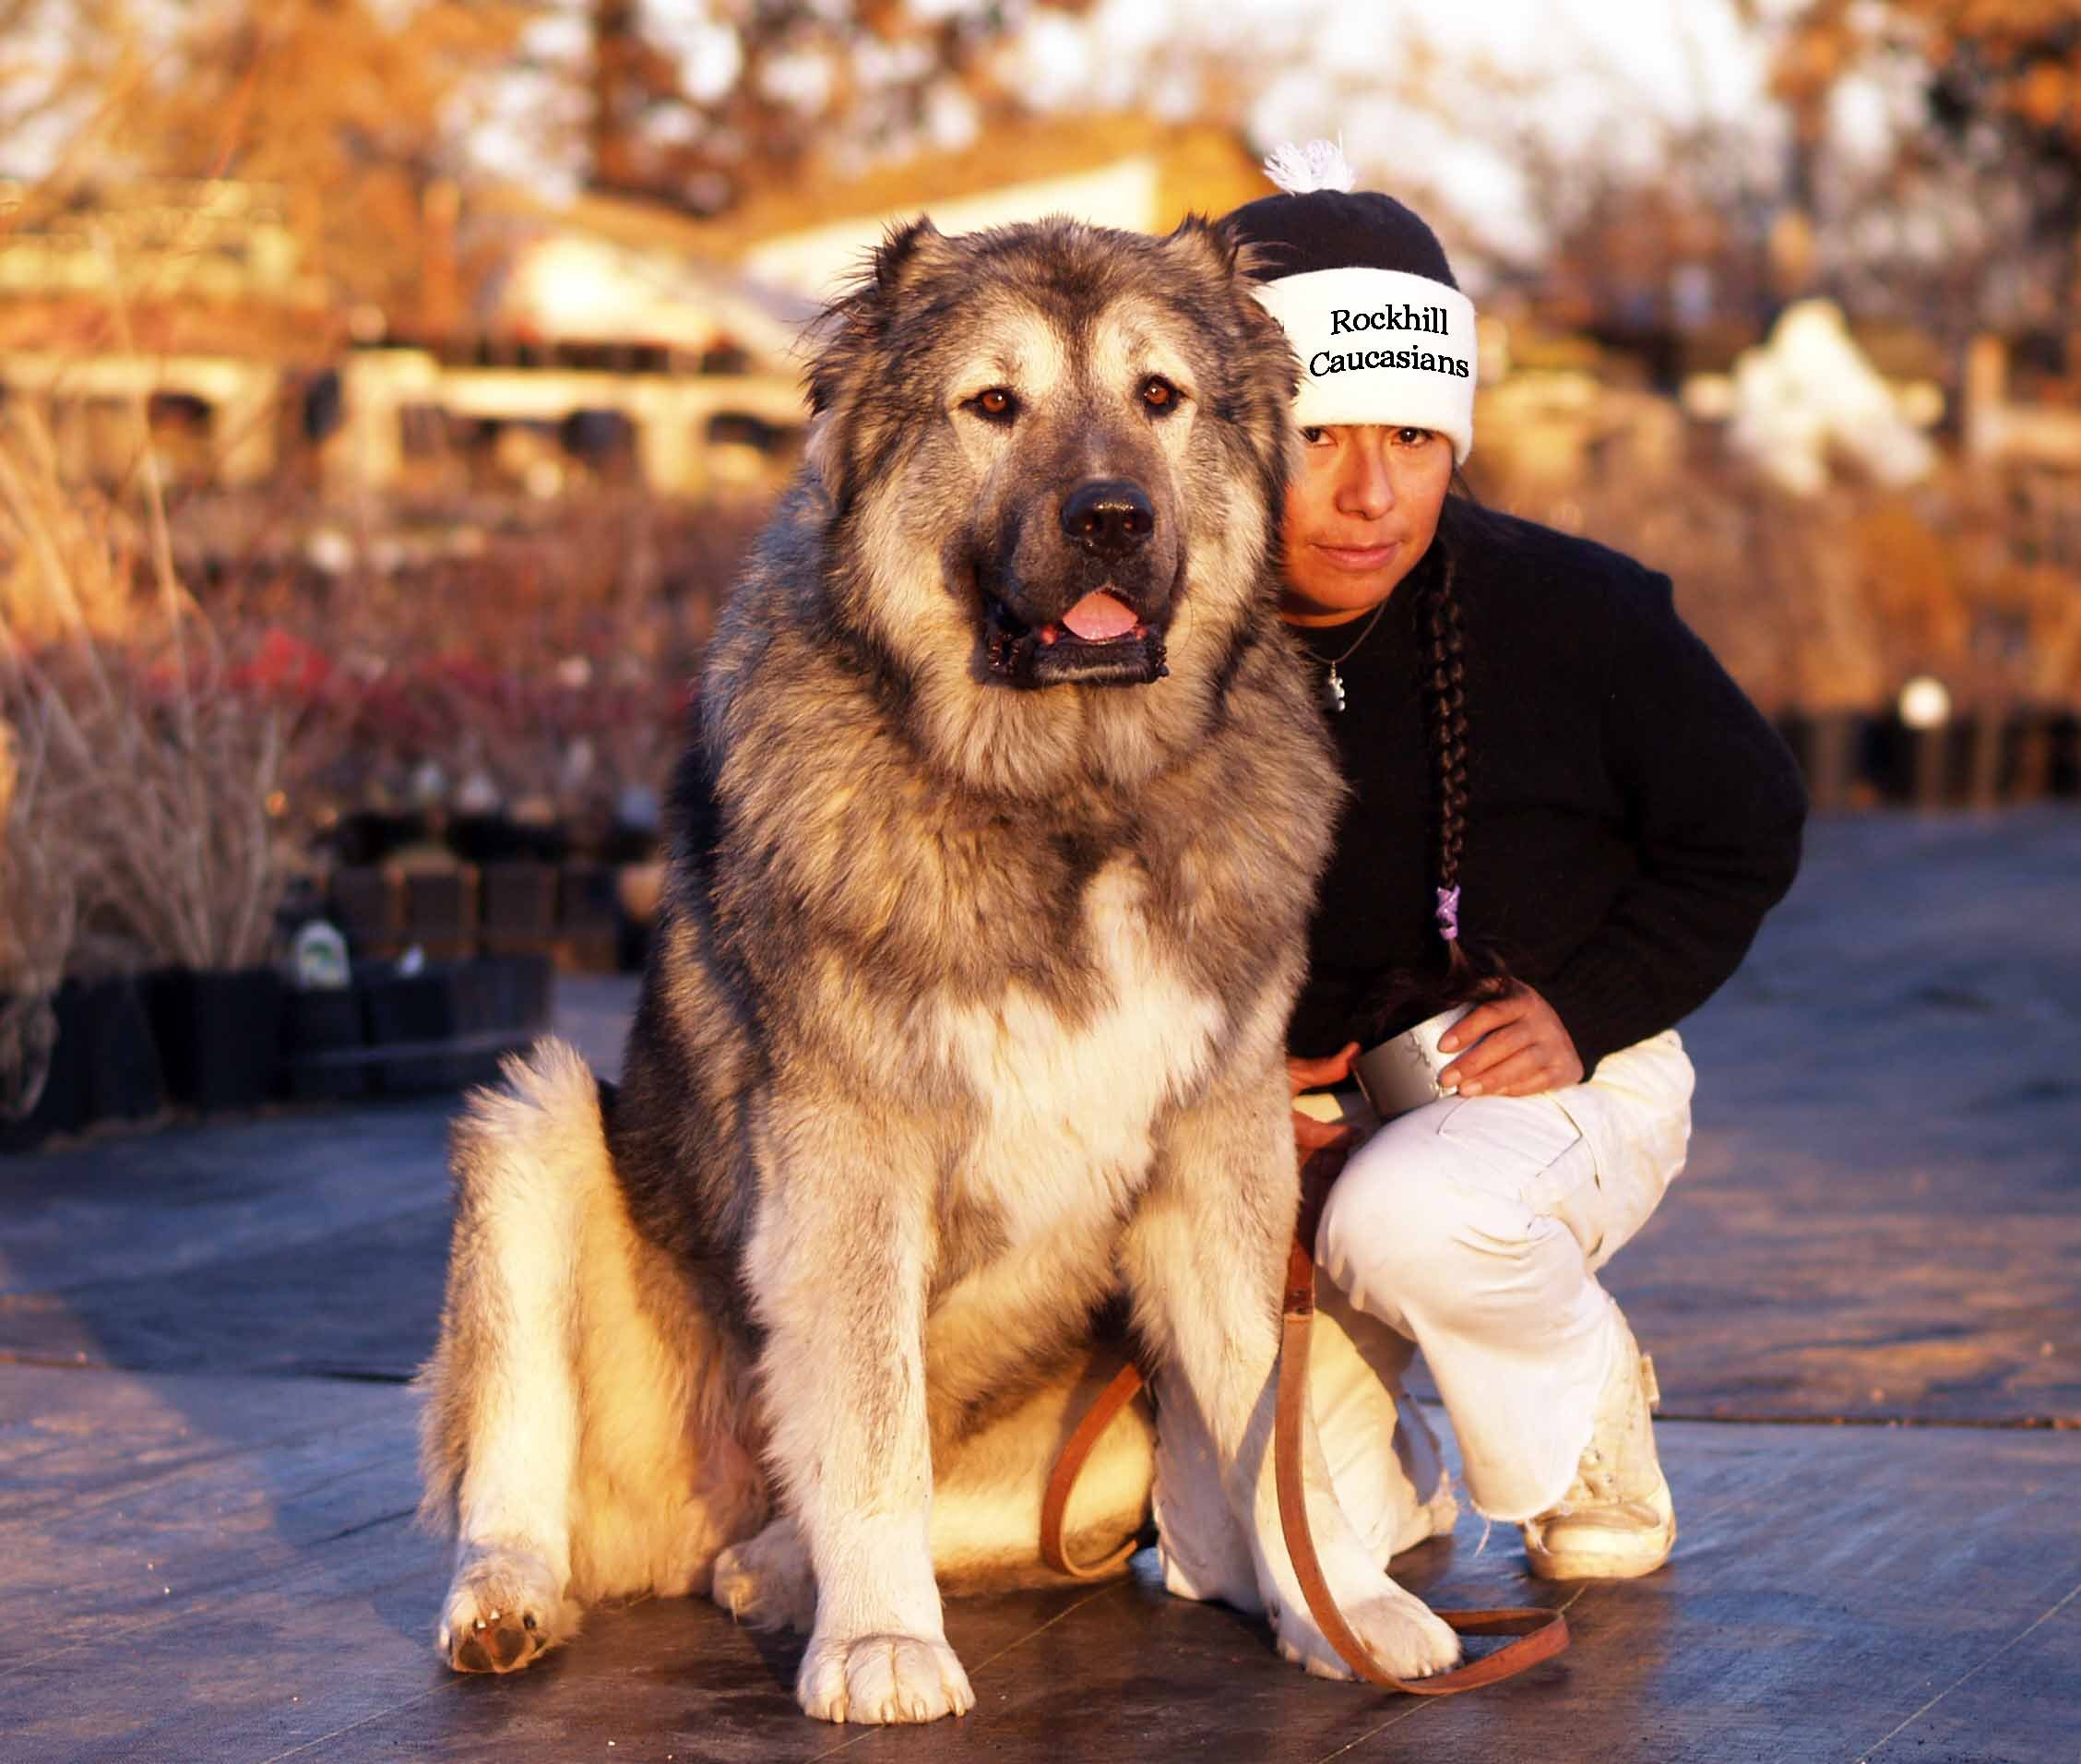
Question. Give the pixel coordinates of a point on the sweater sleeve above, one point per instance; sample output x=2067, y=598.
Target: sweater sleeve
x=1715, y=808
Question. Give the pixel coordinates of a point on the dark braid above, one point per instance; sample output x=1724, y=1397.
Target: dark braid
x=1472, y=969
x=1448, y=689
x=1475, y=970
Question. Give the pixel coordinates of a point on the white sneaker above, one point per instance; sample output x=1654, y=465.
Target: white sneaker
x=1616, y=1521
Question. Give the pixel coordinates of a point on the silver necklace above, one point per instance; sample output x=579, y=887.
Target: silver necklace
x=1331, y=697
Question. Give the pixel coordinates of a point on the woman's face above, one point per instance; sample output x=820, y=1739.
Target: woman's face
x=1359, y=517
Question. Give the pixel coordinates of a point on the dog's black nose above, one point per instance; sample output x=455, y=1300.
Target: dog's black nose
x=1109, y=518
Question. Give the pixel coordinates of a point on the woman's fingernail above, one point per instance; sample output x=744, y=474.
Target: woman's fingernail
x=1471, y=1090
x=1449, y=1044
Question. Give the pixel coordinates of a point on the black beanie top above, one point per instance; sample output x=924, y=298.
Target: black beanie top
x=1340, y=230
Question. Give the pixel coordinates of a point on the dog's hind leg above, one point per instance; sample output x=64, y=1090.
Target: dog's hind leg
x=499, y=1432
x=558, y=1439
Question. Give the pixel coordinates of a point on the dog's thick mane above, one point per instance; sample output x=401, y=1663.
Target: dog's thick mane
x=876, y=853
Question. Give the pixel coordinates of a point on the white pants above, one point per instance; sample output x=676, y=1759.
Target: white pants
x=1474, y=1228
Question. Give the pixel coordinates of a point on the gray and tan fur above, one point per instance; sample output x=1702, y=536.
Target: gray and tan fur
x=966, y=1013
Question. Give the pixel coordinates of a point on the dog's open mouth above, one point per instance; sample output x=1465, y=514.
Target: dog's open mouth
x=1100, y=641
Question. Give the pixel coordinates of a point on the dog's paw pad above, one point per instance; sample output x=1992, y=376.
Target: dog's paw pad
x=883, y=1679
x=501, y=1612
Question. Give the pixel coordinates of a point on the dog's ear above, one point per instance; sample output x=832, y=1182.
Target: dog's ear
x=903, y=252
x=849, y=328
x=862, y=311
x=1216, y=245
x=1266, y=372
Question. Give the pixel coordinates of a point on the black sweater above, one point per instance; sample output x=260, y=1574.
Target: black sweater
x=1631, y=816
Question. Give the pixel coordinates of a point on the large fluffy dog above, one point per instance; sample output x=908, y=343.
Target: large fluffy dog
x=991, y=864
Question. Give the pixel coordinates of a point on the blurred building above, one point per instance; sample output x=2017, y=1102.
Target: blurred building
x=1116, y=170
x=188, y=300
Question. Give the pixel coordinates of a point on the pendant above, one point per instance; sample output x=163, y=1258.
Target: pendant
x=1332, y=694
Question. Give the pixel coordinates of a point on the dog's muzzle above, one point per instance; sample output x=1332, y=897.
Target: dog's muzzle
x=1101, y=641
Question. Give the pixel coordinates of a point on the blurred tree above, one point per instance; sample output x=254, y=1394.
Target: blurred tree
x=61, y=71
x=1995, y=184
x=697, y=111
x=356, y=108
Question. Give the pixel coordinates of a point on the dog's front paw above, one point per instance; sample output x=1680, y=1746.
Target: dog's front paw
x=768, y=1582
x=882, y=1679
x=1406, y=1638
x=503, y=1607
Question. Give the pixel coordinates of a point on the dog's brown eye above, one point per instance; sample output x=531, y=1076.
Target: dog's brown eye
x=996, y=402
x=1159, y=394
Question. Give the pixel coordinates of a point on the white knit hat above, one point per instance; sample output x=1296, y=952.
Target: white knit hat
x=1362, y=286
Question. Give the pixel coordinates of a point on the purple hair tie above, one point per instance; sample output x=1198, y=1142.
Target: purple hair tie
x=1448, y=914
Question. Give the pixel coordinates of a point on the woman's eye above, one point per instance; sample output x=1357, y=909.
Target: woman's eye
x=1414, y=437
x=1313, y=437
x=1159, y=394
x=997, y=402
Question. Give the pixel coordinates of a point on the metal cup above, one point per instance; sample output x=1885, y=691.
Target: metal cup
x=1401, y=1074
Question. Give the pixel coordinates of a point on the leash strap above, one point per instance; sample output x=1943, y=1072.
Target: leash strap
x=1540, y=1633
x=1054, y=1503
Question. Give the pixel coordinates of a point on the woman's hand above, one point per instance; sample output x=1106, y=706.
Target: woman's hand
x=1517, y=1048
x=1310, y=1134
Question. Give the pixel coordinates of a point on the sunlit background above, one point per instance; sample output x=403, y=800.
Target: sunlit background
x=390, y=388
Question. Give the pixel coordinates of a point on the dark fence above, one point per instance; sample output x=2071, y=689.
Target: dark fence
x=1977, y=760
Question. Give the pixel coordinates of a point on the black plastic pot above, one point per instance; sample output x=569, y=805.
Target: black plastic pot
x=370, y=836
x=516, y=905
x=515, y=992
x=219, y=1034
x=589, y=917
x=398, y=1008
x=368, y=905
x=447, y=1025
x=321, y=1031
x=441, y=912
x=66, y=1101
x=496, y=839
x=126, y=1082
x=626, y=844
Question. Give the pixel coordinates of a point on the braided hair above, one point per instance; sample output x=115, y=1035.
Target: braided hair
x=1472, y=969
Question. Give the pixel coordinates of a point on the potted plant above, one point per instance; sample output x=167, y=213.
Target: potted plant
x=44, y=1074
x=170, y=765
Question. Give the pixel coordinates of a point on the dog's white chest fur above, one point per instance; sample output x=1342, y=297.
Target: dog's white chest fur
x=1068, y=1108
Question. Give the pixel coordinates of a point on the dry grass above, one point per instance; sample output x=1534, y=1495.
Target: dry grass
x=38, y=916
x=154, y=777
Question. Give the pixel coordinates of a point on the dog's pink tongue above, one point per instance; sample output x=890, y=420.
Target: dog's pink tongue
x=1099, y=616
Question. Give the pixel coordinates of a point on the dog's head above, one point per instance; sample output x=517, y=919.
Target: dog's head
x=1055, y=456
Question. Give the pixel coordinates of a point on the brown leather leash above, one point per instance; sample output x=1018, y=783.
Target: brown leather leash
x=1126, y=1385
x=1541, y=1633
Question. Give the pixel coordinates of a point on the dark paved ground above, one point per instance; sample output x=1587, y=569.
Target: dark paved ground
x=205, y=1474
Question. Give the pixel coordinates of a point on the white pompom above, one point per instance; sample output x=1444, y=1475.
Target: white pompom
x=1317, y=166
